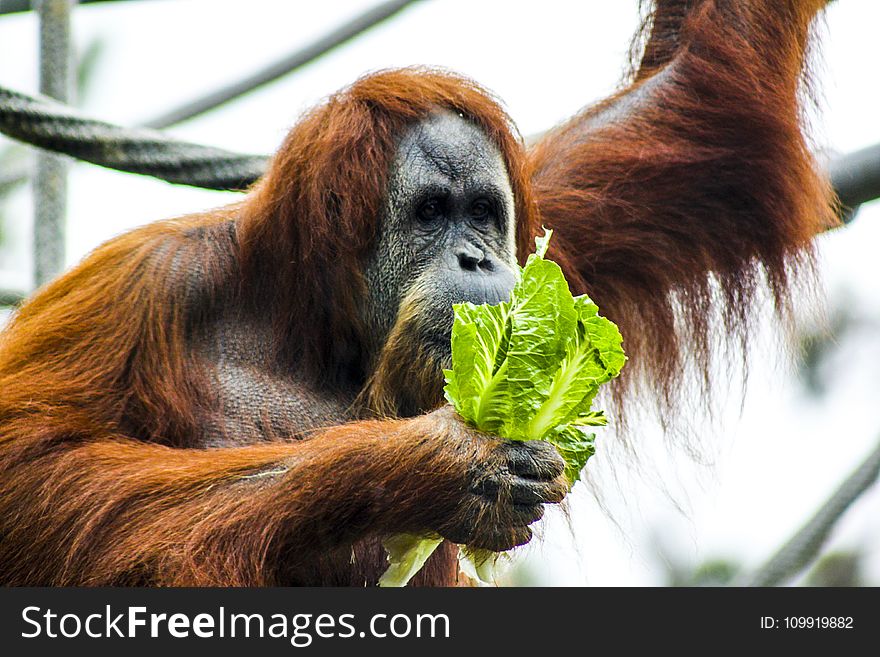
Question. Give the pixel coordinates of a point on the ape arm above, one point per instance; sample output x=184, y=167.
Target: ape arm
x=117, y=511
x=697, y=171
x=114, y=511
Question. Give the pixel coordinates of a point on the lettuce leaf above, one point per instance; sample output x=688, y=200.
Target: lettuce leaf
x=529, y=368
x=525, y=369
x=407, y=553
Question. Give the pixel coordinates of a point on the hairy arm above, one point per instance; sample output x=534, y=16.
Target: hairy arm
x=117, y=511
x=113, y=511
x=698, y=170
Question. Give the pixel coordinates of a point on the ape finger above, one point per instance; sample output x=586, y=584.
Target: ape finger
x=526, y=514
x=529, y=491
x=501, y=539
x=536, y=459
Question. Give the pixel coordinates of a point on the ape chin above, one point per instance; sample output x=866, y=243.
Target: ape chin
x=408, y=377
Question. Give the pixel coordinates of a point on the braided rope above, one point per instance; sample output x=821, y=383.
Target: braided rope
x=42, y=122
x=802, y=548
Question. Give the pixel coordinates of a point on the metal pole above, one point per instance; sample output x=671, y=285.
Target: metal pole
x=856, y=177
x=50, y=180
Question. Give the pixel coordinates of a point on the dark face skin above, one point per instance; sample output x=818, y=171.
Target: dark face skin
x=447, y=233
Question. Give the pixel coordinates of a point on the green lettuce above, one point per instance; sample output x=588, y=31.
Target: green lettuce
x=525, y=369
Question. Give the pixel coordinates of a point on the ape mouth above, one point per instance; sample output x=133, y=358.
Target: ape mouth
x=430, y=336
x=480, y=289
x=436, y=336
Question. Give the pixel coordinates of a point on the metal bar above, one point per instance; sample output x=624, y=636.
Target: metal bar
x=50, y=179
x=291, y=62
x=856, y=178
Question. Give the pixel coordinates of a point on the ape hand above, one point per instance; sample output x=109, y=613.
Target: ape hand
x=501, y=487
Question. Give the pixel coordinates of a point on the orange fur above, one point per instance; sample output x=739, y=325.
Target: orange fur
x=697, y=170
x=677, y=196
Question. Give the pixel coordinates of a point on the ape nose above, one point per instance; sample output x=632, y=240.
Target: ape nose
x=471, y=258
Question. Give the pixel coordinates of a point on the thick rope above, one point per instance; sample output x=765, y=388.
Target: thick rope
x=802, y=548
x=42, y=122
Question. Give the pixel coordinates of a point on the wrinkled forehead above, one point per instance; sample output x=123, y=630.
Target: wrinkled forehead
x=446, y=149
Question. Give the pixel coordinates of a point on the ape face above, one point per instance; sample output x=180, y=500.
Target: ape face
x=447, y=234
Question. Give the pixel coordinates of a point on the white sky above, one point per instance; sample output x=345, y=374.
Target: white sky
x=772, y=464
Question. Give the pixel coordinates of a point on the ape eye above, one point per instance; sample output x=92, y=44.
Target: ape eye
x=481, y=209
x=430, y=210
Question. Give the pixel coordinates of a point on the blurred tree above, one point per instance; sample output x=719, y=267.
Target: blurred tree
x=838, y=569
